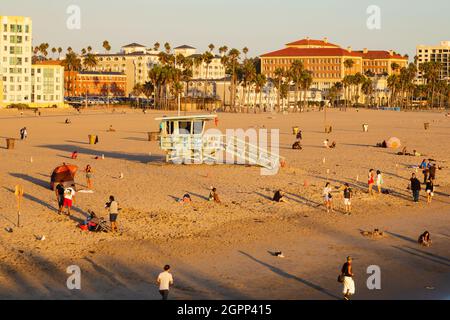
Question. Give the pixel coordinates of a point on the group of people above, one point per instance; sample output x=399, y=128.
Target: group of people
x=375, y=179
x=213, y=197
x=23, y=133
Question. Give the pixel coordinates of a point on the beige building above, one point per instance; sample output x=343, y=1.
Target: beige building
x=134, y=60
x=439, y=53
x=47, y=86
x=215, y=70
x=15, y=59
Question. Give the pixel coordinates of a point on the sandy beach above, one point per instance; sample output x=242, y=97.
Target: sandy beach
x=223, y=251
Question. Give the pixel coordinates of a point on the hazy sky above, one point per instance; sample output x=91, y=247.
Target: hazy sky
x=261, y=25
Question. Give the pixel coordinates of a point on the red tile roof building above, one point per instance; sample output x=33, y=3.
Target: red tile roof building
x=326, y=61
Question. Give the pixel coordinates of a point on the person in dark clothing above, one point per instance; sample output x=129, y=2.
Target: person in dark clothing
x=432, y=171
x=425, y=239
x=415, y=187
x=59, y=192
x=349, y=284
x=279, y=196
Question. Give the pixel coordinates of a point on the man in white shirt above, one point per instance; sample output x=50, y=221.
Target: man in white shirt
x=165, y=280
x=69, y=194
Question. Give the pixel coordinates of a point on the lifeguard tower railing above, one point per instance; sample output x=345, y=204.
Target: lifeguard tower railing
x=215, y=148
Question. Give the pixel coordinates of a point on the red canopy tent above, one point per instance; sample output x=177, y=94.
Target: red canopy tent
x=65, y=174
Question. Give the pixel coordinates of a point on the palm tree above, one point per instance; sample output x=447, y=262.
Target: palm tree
x=90, y=61
x=147, y=89
x=306, y=82
x=89, y=49
x=83, y=51
x=296, y=71
x=245, y=51
x=71, y=63
x=211, y=47
x=248, y=75
x=367, y=89
x=233, y=62
x=259, y=81
x=156, y=46
x=431, y=72
x=156, y=77
x=395, y=66
x=54, y=51
x=278, y=82
x=106, y=46
x=59, y=52
x=167, y=47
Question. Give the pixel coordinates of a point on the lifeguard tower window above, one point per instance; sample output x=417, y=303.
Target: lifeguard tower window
x=169, y=127
x=184, y=127
x=198, y=127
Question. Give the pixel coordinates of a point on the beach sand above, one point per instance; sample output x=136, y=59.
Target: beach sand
x=224, y=251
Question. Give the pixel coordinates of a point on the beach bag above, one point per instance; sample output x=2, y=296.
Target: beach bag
x=340, y=278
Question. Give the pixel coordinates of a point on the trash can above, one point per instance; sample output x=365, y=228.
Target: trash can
x=365, y=127
x=153, y=136
x=426, y=126
x=92, y=138
x=328, y=129
x=295, y=130
x=10, y=143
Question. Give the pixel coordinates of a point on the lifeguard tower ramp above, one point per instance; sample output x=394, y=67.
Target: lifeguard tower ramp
x=184, y=141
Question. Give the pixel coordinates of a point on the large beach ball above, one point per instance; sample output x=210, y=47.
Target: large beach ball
x=393, y=143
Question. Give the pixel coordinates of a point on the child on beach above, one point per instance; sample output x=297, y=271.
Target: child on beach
x=213, y=196
x=371, y=181
x=69, y=197
x=186, y=199
x=347, y=199
x=425, y=239
x=430, y=190
x=327, y=197
x=59, y=191
x=380, y=181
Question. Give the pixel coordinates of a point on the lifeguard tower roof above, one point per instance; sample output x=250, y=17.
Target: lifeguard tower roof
x=192, y=117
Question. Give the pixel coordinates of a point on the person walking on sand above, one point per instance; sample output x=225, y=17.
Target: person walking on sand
x=348, y=283
x=165, y=280
x=279, y=196
x=380, y=181
x=69, y=198
x=415, y=187
x=89, y=174
x=25, y=133
x=113, y=207
x=327, y=197
x=371, y=181
x=348, y=193
x=430, y=190
x=59, y=192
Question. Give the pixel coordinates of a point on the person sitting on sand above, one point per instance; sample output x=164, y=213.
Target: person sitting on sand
x=213, y=196
x=186, y=199
x=297, y=145
x=74, y=155
x=382, y=144
x=333, y=145
x=279, y=196
x=67, y=121
x=425, y=239
x=111, y=129
x=325, y=143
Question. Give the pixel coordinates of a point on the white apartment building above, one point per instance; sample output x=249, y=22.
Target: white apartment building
x=47, y=88
x=15, y=59
x=439, y=53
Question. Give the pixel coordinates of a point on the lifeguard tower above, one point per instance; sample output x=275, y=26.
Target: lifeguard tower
x=184, y=140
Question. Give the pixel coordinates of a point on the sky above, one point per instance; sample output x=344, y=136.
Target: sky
x=260, y=25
